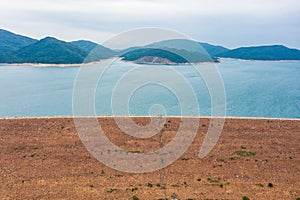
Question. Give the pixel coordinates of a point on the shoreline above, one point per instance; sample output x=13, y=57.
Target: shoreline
x=250, y=60
x=90, y=63
x=147, y=116
x=54, y=65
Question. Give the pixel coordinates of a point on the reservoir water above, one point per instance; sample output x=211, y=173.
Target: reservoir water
x=252, y=88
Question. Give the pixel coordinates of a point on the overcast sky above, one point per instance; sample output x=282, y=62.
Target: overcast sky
x=230, y=23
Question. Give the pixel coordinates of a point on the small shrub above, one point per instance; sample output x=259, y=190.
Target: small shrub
x=150, y=185
x=245, y=198
x=185, y=184
x=135, y=197
x=185, y=159
x=198, y=179
x=33, y=155
x=270, y=185
x=102, y=172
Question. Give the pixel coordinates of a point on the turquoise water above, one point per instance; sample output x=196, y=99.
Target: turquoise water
x=253, y=89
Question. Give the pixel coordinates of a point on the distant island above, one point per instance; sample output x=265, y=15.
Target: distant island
x=18, y=49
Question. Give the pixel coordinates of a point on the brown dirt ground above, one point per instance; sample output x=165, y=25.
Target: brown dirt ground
x=45, y=159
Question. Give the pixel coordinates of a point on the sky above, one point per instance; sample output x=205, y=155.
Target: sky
x=231, y=23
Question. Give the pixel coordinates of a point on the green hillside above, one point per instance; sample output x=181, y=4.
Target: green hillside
x=50, y=50
x=11, y=42
x=274, y=52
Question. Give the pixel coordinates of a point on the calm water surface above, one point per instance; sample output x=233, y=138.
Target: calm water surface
x=253, y=89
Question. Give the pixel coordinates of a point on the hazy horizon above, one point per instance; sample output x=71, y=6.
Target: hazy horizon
x=228, y=23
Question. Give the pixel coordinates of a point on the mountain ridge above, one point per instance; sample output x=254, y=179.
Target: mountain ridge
x=15, y=48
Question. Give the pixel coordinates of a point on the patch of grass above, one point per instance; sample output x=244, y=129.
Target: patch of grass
x=245, y=198
x=243, y=153
x=298, y=198
x=211, y=180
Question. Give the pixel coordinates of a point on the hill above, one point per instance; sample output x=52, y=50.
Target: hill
x=170, y=52
x=94, y=51
x=50, y=50
x=11, y=42
x=85, y=45
x=274, y=52
x=213, y=50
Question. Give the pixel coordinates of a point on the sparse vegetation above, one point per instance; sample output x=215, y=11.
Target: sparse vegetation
x=217, y=165
x=185, y=184
x=198, y=179
x=174, y=196
x=211, y=180
x=243, y=153
x=185, y=159
x=33, y=155
x=136, y=151
x=149, y=185
x=102, y=172
x=175, y=185
x=245, y=198
x=135, y=197
x=111, y=190
x=260, y=185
